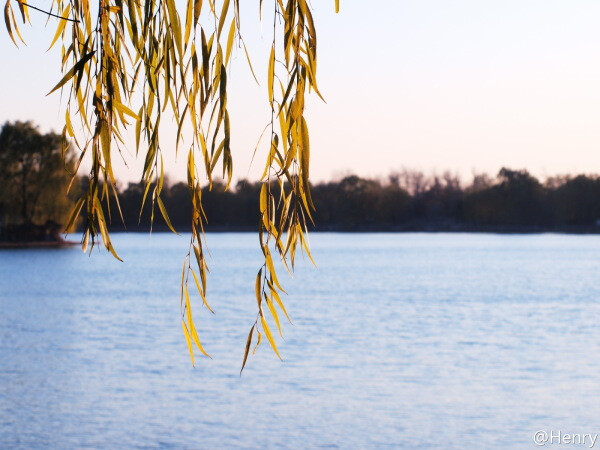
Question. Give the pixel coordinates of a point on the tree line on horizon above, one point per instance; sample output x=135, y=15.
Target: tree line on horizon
x=34, y=177
x=406, y=201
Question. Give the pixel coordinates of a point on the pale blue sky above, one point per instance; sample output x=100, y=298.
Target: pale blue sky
x=428, y=84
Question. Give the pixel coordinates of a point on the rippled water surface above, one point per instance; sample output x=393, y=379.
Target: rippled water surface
x=401, y=340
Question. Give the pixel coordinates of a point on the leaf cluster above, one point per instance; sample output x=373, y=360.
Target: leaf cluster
x=128, y=63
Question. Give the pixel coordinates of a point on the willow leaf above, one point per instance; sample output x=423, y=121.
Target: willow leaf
x=257, y=288
x=163, y=211
x=267, y=331
x=188, y=21
x=74, y=213
x=201, y=292
x=188, y=341
x=7, y=12
x=274, y=314
x=78, y=67
x=124, y=109
x=61, y=25
x=230, y=39
x=223, y=15
x=279, y=302
x=247, y=349
x=193, y=331
x=258, y=341
x=271, y=74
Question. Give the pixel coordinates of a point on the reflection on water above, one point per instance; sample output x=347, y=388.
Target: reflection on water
x=409, y=340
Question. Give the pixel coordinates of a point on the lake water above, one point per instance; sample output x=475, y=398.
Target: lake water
x=399, y=340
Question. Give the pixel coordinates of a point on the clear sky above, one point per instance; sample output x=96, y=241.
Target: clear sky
x=428, y=84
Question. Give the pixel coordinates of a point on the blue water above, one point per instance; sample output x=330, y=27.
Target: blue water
x=401, y=340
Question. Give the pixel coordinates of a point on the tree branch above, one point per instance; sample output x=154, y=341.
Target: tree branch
x=49, y=13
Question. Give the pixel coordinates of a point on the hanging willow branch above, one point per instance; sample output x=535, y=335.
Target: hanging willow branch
x=118, y=54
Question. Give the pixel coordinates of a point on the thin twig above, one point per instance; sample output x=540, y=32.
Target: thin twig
x=49, y=13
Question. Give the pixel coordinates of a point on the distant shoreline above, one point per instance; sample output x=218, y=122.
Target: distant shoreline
x=39, y=244
x=391, y=229
x=587, y=230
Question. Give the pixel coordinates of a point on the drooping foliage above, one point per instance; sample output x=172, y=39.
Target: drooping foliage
x=135, y=63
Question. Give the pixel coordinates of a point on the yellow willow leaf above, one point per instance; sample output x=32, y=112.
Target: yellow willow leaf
x=180, y=126
x=68, y=123
x=188, y=341
x=175, y=26
x=201, y=292
x=191, y=174
x=116, y=198
x=271, y=267
x=267, y=331
x=82, y=109
x=24, y=11
x=257, y=288
x=163, y=211
x=78, y=67
x=216, y=156
x=274, y=314
x=61, y=25
x=305, y=155
x=258, y=341
x=203, y=268
x=74, y=214
x=205, y=154
x=222, y=17
x=269, y=226
x=182, y=283
x=86, y=239
x=284, y=130
x=138, y=131
x=288, y=91
x=337, y=6
x=249, y=61
x=297, y=105
x=161, y=179
x=7, y=12
x=197, y=10
x=306, y=248
x=271, y=74
x=188, y=21
x=263, y=198
x=188, y=307
x=14, y=21
x=247, y=349
x=193, y=331
x=230, y=40
x=272, y=157
x=275, y=295
x=104, y=233
x=133, y=21
x=111, y=249
x=305, y=12
x=197, y=340
x=124, y=109
x=205, y=57
x=105, y=144
x=292, y=151
x=146, y=190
